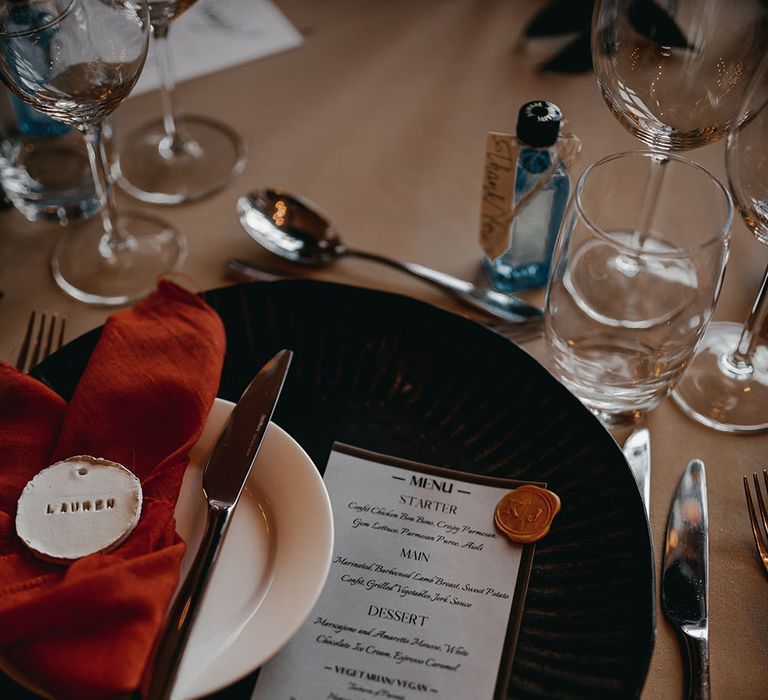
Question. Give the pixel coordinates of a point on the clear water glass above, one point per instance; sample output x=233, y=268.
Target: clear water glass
x=44, y=168
x=628, y=299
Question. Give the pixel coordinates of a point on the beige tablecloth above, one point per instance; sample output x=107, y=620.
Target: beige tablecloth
x=380, y=117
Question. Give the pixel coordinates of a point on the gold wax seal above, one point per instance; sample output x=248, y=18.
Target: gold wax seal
x=525, y=514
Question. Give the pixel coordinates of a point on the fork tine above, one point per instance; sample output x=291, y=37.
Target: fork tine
x=34, y=358
x=760, y=502
x=761, y=548
x=41, y=339
x=22, y=359
x=60, y=343
x=49, y=336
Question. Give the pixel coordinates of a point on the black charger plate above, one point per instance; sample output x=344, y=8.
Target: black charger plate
x=398, y=376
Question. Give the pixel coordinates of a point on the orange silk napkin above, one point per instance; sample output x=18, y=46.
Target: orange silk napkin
x=85, y=631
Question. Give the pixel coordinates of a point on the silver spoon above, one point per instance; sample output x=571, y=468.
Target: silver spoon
x=291, y=227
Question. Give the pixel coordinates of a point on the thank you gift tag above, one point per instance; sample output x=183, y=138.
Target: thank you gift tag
x=496, y=207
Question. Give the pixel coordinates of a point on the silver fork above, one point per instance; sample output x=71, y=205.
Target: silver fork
x=40, y=339
x=761, y=534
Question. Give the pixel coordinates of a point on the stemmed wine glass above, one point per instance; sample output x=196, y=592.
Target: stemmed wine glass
x=674, y=73
x=726, y=385
x=76, y=61
x=177, y=158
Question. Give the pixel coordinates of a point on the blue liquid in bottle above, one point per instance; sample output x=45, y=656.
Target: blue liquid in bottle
x=533, y=232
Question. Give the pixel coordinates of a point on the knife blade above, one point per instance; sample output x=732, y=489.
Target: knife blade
x=637, y=452
x=225, y=474
x=685, y=575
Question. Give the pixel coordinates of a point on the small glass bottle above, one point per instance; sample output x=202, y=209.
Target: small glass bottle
x=533, y=231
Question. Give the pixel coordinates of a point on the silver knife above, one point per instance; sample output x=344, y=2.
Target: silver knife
x=637, y=452
x=685, y=573
x=225, y=475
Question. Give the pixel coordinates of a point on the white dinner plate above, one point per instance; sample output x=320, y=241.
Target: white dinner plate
x=272, y=566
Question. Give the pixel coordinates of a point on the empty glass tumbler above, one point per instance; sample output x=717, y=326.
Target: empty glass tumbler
x=44, y=168
x=634, y=280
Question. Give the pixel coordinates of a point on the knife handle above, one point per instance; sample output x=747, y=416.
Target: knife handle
x=697, y=647
x=165, y=658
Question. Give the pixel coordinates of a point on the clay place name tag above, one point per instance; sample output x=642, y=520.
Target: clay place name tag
x=77, y=507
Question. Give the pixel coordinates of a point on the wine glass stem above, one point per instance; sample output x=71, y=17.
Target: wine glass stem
x=741, y=358
x=113, y=239
x=172, y=143
x=651, y=198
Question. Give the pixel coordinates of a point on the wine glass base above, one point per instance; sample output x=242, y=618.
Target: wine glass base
x=615, y=420
x=636, y=291
x=206, y=158
x=151, y=248
x=712, y=393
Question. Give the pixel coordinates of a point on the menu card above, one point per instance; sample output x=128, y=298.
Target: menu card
x=424, y=595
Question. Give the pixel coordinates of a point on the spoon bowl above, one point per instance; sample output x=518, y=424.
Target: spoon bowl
x=291, y=227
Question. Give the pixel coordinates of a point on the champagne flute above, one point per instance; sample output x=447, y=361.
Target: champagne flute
x=76, y=61
x=726, y=385
x=176, y=159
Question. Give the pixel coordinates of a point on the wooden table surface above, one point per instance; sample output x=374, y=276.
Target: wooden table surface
x=380, y=117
